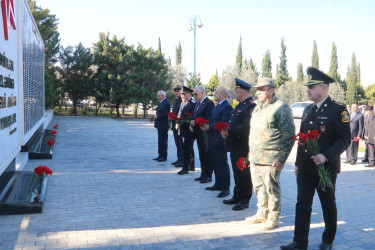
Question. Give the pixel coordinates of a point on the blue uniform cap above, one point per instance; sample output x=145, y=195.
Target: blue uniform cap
x=242, y=84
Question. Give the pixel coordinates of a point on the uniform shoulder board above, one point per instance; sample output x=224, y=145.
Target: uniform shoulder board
x=193, y=101
x=338, y=103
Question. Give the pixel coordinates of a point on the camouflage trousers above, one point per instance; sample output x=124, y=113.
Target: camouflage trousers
x=267, y=189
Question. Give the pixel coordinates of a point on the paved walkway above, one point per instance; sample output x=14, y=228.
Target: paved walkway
x=107, y=192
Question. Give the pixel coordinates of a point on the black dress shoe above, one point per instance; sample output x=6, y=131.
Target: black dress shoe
x=231, y=201
x=182, y=172
x=365, y=160
x=325, y=246
x=240, y=206
x=213, y=188
x=175, y=162
x=192, y=169
x=162, y=159
x=199, y=178
x=206, y=180
x=294, y=245
x=179, y=165
x=352, y=163
x=157, y=158
x=223, y=193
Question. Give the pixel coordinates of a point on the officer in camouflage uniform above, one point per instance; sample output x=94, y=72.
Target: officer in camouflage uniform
x=331, y=119
x=271, y=140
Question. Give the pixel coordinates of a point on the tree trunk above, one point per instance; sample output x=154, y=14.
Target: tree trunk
x=60, y=104
x=123, y=109
x=136, y=110
x=75, y=108
x=144, y=111
x=118, y=110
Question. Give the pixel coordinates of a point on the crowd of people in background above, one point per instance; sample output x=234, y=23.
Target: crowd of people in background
x=259, y=135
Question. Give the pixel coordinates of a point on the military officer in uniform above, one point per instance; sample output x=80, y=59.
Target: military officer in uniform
x=187, y=106
x=177, y=138
x=203, y=109
x=237, y=143
x=331, y=119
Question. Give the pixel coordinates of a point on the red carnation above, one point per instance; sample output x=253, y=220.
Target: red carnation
x=189, y=114
x=172, y=116
x=56, y=126
x=53, y=132
x=51, y=143
x=242, y=163
x=200, y=121
x=42, y=170
x=220, y=126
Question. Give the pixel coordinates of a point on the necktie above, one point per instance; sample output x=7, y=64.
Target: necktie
x=196, y=109
x=314, y=113
x=181, y=108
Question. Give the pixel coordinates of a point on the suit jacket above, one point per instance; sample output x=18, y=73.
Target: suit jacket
x=184, y=128
x=221, y=113
x=370, y=130
x=161, y=121
x=238, y=139
x=204, y=111
x=356, y=125
x=175, y=109
x=332, y=122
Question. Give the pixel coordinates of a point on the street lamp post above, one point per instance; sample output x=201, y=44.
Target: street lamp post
x=193, y=25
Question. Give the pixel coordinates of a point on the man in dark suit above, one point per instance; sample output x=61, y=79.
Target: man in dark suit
x=237, y=143
x=366, y=116
x=219, y=160
x=187, y=107
x=331, y=120
x=203, y=109
x=356, y=130
x=161, y=124
x=177, y=138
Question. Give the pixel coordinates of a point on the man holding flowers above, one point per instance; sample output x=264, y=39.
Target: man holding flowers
x=331, y=121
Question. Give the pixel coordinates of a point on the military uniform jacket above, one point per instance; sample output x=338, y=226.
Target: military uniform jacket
x=204, y=111
x=238, y=139
x=175, y=109
x=221, y=113
x=184, y=127
x=332, y=122
x=161, y=122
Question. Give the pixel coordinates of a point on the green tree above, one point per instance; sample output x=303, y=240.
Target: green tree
x=212, y=85
x=351, y=81
x=178, y=54
x=190, y=82
x=149, y=73
x=315, y=56
x=112, y=79
x=370, y=93
x=300, y=74
x=267, y=65
x=253, y=67
x=159, y=45
x=359, y=72
x=76, y=72
x=47, y=25
x=282, y=71
x=239, y=54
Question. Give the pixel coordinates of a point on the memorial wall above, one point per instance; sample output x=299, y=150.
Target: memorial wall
x=21, y=79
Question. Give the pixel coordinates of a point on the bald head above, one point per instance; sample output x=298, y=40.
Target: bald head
x=220, y=94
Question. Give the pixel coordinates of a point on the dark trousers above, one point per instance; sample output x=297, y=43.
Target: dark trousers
x=220, y=165
x=188, y=154
x=204, y=158
x=242, y=179
x=366, y=152
x=352, y=151
x=371, y=154
x=307, y=184
x=179, y=144
x=162, y=143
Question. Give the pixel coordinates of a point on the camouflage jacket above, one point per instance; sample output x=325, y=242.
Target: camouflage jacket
x=271, y=132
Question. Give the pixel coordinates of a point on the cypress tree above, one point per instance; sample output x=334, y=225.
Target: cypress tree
x=267, y=65
x=159, y=45
x=351, y=81
x=315, y=57
x=178, y=54
x=282, y=75
x=359, y=72
x=334, y=66
x=253, y=67
x=239, y=54
x=300, y=75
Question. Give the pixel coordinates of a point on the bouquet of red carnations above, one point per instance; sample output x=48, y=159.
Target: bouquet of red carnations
x=220, y=126
x=310, y=141
x=200, y=121
x=172, y=116
x=242, y=163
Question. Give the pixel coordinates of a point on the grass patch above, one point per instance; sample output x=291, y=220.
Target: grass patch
x=361, y=149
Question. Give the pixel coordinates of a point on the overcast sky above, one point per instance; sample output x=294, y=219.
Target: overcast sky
x=262, y=24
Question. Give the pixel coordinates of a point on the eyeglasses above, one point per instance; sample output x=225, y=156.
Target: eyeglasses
x=195, y=94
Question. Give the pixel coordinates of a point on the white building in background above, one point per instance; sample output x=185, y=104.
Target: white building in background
x=22, y=110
